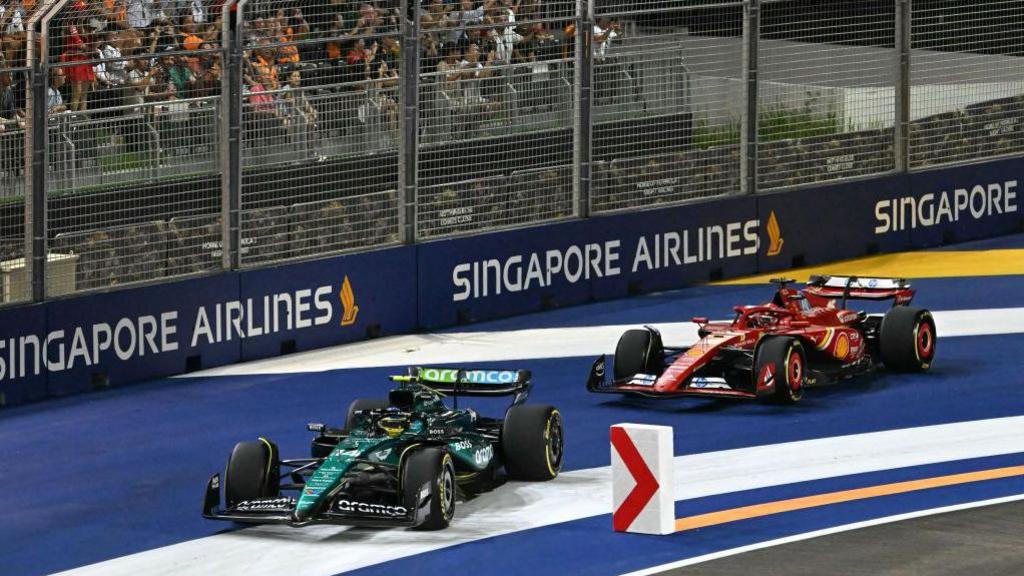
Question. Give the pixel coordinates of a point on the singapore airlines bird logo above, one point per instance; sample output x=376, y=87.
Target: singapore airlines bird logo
x=774, y=235
x=348, y=304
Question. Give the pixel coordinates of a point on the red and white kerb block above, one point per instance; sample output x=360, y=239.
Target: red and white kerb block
x=642, y=479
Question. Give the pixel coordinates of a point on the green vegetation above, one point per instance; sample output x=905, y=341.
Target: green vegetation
x=778, y=123
x=705, y=137
x=775, y=123
x=123, y=161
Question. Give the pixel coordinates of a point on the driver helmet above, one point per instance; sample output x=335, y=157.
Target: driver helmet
x=393, y=422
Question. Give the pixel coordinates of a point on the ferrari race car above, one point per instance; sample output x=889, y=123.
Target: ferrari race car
x=803, y=337
x=396, y=462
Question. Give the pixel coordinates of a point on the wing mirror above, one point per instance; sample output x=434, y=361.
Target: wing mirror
x=699, y=320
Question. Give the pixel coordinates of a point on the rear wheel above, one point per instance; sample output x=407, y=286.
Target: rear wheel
x=253, y=471
x=532, y=441
x=781, y=362
x=362, y=404
x=639, y=352
x=906, y=339
x=434, y=469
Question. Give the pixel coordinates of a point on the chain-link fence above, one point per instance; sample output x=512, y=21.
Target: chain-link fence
x=967, y=81
x=826, y=92
x=15, y=83
x=668, y=99
x=495, y=114
x=132, y=103
x=320, y=130
x=188, y=137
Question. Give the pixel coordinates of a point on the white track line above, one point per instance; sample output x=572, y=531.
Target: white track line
x=328, y=550
x=834, y=530
x=424, y=349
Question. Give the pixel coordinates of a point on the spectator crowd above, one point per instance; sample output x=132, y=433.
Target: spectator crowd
x=158, y=60
x=129, y=52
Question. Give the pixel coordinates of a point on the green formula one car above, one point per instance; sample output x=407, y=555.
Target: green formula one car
x=396, y=462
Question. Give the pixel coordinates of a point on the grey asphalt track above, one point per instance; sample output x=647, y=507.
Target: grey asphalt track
x=987, y=541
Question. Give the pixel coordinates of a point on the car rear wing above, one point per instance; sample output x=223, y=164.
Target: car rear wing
x=471, y=381
x=856, y=288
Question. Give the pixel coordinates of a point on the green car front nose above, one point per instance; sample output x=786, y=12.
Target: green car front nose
x=321, y=484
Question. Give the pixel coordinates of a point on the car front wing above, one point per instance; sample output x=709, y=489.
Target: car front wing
x=281, y=510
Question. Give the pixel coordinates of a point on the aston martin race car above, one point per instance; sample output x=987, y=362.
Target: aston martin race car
x=802, y=338
x=396, y=462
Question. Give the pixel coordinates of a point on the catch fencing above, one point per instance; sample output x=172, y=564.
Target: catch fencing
x=155, y=140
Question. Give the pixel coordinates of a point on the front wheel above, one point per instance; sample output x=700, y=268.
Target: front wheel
x=639, y=351
x=532, y=441
x=434, y=470
x=253, y=472
x=780, y=362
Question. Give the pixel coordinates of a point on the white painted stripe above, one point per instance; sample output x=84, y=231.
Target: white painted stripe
x=824, y=532
x=328, y=550
x=426, y=349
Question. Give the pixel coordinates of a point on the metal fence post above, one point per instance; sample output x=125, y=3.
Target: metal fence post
x=231, y=136
x=408, y=128
x=35, y=157
x=584, y=77
x=901, y=124
x=748, y=137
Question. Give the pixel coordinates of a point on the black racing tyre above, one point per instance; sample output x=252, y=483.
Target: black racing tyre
x=781, y=361
x=532, y=440
x=639, y=352
x=907, y=339
x=253, y=471
x=363, y=404
x=434, y=467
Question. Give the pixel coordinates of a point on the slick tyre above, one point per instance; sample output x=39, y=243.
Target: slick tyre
x=434, y=468
x=532, y=440
x=362, y=404
x=639, y=352
x=253, y=471
x=781, y=362
x=906, y=339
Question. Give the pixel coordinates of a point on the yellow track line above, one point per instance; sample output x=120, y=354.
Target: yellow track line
x=945, y=264
x=768, y=508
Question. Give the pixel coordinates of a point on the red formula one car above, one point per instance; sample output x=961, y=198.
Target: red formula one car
x=803, y=337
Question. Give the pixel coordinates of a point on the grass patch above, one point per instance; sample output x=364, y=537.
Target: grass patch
x=123, y=161
x=705, y=137
x=779, y=123
x=776, y=123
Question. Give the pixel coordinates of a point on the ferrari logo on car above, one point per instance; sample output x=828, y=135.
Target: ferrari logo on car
x=348, y=304
x=775, y=239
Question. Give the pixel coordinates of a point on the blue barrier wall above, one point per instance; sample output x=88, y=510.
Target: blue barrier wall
x=139, y=333
x=330, y=301
x=77, y=344
x=72, y=345
x=19, y=381
x=962, y=203
x=501, y=274
x=826, y=224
